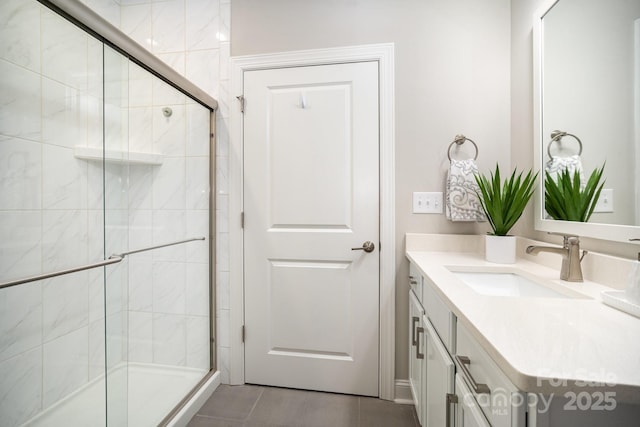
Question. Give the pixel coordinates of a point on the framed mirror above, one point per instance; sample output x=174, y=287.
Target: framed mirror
x=587, y=84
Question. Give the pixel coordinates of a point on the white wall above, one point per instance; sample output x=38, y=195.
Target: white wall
x=452, y=76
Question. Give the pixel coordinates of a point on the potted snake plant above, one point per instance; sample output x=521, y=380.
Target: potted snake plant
x=503, y=202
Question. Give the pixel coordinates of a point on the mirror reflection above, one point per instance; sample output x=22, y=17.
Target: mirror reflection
x=591, y=99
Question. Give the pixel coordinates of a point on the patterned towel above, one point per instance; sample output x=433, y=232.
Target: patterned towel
x=556, y=165
x=462, y=201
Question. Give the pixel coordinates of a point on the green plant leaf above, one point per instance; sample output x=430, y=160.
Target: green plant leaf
x=566, y=200
x=504, y=202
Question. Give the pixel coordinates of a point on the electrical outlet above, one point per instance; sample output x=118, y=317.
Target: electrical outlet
x=427, y=202
x=605, y=201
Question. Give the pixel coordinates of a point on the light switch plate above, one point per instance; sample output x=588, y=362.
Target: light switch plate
x=427, y=202
x=605, y=201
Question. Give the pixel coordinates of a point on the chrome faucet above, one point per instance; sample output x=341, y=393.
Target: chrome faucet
x=571, y=270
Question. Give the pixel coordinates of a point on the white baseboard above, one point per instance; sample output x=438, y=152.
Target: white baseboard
x=403, y=393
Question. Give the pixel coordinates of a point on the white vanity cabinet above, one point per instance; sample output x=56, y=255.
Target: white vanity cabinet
x=431, y=369
x=452, y=378
x=479, y=346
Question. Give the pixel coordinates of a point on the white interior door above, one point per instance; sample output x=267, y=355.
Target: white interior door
x=311, y=194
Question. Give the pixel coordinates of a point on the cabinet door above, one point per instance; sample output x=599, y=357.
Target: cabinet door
x=416, y=281
x=440, y=375
x=476, y=366
x=416, y=354
x=468, y=413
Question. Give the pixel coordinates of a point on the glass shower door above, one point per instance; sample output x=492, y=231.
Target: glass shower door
x=156, y=193
x=51, y=330
x=97, y=157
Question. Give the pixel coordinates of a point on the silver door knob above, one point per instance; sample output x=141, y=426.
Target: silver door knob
x=366, y=246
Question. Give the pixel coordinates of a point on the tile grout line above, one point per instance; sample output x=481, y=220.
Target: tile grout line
x=254, y=405
x=215, y=417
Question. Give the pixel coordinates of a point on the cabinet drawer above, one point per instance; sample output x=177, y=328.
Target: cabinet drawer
x=468, y=414
x=499, y=399
x=415, y=281
x=442, y=319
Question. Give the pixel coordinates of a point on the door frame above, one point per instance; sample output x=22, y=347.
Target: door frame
x=383, y=54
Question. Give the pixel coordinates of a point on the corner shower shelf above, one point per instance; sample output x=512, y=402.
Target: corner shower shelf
x=117, y=156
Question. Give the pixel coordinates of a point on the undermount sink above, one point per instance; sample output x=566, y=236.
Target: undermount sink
x=511, y=284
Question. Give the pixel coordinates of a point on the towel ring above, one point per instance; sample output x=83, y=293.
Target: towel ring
x=459, y=140
x=556, y=136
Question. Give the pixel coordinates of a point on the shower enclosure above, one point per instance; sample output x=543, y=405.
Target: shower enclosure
x=106, y=241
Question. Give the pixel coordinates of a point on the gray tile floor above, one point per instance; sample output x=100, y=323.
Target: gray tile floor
x=250, y=405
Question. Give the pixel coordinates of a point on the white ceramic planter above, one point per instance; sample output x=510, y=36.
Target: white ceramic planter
x=500, y=249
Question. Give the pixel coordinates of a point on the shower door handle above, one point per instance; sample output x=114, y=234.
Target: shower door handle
x=366, y=246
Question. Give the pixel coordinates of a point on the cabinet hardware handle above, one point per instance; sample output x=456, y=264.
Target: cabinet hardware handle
x=414, y=320
x=413, y=280
x=418, y=354
x=478, y=388
x=450, y=398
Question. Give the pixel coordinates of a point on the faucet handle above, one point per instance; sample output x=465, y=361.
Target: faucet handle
x=567, y=239
x=574, y=243
x=584, y=253
x=573, y=240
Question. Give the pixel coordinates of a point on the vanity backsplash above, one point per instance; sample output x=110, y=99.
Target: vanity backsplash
x=600, y=268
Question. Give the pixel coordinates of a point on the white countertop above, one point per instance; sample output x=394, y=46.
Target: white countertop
x=536, y=339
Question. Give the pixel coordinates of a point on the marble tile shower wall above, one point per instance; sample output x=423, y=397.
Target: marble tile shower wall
x=168, y=288
x=192, y=36
x=167, y=304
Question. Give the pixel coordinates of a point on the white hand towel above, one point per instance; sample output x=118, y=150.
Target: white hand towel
x=557, y=165
x=462, y=202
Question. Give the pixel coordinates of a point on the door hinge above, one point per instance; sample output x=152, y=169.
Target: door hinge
x=242, y=333
x=240, y=98
x=241, y=219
